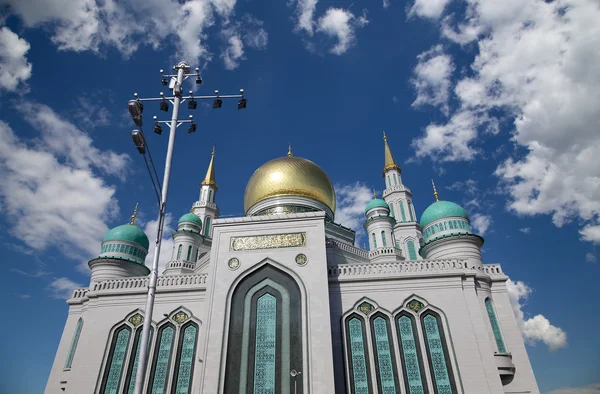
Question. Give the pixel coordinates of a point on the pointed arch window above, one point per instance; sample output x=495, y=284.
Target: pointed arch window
x=391, y=210
x=116, y=361
x=162, y=360
x=356, y=345
x=207, y=226
x=196, y=255
x=395, y=180
x=410, y=353
x=179, y=251
x=437, y=354
x=410, y=211
x=389, y=183
x=387, y=380
x=133, y=360
x=401, y=204
x=489, y=306
x=374, y=241
x=189, y=253
x=74, y=343
x=412, y=254
x=184, y=364
x=383, y=240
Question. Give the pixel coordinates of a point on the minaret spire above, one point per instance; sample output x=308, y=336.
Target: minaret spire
x=290, y=150
x=435, y=193
x=389, y=158
x=209, y=179
x=134, y=216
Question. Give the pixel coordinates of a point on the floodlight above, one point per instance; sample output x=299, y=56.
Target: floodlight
x=157, y=129
x=242, y=103
x=164, y=106
x=217, y=103
x=192, y=127
x=139, y=141
x=192, y=104
x=135, y=109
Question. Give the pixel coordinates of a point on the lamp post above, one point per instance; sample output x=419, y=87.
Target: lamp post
x=136, y=108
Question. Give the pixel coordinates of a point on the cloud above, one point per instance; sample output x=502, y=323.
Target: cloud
x=23, y=296
x=350, y=207
x=62, y=288
x=233, y=53
x=591, y=389
x=14, y=67
x=386, y=4
x=166, y=247
x=305, y=11
x=591, y=257
x=534, y=71
x=432, y=9
x=431, y=79
x=52, y=193
x=537, y=328
x=341, y=24
x=525, y=230
x=481, y=223
x=250, y=33
x=91, y=113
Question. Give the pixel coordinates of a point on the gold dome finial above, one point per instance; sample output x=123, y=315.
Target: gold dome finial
x=290, y=150
x=435, y=193
x=209, y=179
x=390, y=163
x=134, y=216
x=374, y=194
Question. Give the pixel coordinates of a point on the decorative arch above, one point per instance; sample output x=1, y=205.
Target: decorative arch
x=383, y=353
x=265, y=334
x=357, y=354
x=115, y=362
x=438, y=355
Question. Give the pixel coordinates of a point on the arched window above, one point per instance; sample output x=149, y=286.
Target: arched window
x=388, y=181
x=184, y=363
x=410, y=211
x=133, y=360
x=412, y=254
x=115, y=361
x=74, y=343
x=401, y=204
x=189, y=254
x=383, y=240
x=395, y=179
x=358, y=360
x=162, y=360
x=410, y=353
x=385, y=362
x=495, y=326
x=207, y=226
x=374, y=241
x=210, y=194
x=179, y=251
x=391, y=210
x=437, y=354
x=196, y=255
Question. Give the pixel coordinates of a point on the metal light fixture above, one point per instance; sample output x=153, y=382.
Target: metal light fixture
x=192, y=127
x=164, y=106
x=191, y=103
x=164, y=79
x=218, y=102
x=198, y=77
x=139, y=141
x=242, y=103
x=157, y=127
x=135, y=109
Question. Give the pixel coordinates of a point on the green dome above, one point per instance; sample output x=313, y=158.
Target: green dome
x=440, y=210
x=129, y=233
x=376, y=203
x=190, y=217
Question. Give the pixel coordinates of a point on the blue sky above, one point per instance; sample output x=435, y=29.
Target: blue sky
x=495, y=100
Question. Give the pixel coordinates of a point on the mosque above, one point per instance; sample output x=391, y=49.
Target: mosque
x=281, y=301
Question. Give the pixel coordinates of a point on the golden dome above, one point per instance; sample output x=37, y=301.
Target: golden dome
x=289, y=176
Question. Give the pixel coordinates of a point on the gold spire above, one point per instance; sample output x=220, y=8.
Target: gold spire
x=290, y=150
x=134, y=216
x=209, y=179
x=374, y=194
x=389, y=158
x=435, y=193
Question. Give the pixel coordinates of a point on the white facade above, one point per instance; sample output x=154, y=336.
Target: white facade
x=290, y=292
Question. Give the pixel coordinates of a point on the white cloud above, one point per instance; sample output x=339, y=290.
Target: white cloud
x=305, y=11
x=432, y=78
x=250, y=33
x=386, y=4
x=591, y=389
x=350, y=207
x=591, y=257
x=481, y=223
x=525, y=230
x=23, y=296
x=166, y=247
x=14, y=67
x=537, y=328
x=535, y=68
x=233, y=53
x=62, y=288
x=428, y=8
x=341, y=24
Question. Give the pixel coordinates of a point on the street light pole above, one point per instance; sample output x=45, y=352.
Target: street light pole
x=136, y=108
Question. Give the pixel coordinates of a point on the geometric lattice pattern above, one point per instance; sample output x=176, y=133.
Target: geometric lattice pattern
x=384, y=357
x=186, y=360
x=131, y=384
x=402, y=211
x=118, y=359
x=412, y=254
x=159, y=383
x=74, y=343
x=365, y=307
x=437, y=357
x=357, y=355
x=495, y=326
x=266, y=339
x=411, y=356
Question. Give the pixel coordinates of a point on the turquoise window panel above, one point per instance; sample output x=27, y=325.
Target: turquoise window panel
x=265, y=349
x=163, y=356
x=117, y=357
x=207, y=226
x=358, y=357
x=402, y=213
x=385, y=362
x=412, y=254
x=389, y=183
x=391, y=210
x=374, y=241
x=179, y=252
x=189, y=253
x=133, y=373
x=74, y=343
x=495, y=326
x=383, y=240
x=410, y=211
x=411, y=356
x=437, y=356
x=395, y=179
x=187, y=350
x=210, y=194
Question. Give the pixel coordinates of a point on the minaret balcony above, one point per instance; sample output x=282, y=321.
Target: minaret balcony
x=396, y=188
x=388, y=253
x=204, y=204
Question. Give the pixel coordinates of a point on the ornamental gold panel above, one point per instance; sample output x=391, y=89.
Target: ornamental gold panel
x=268, y=241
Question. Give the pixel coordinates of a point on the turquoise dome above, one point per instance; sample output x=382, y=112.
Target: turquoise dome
x=376, y=203
x=440, y=210
x=129, y=233
x=190, y=217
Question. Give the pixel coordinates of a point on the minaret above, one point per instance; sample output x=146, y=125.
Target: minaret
x=407, y=233
x=205, y=208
